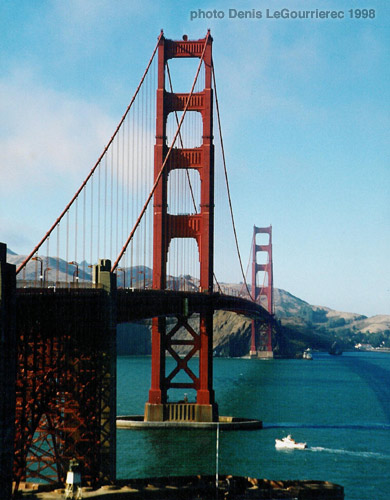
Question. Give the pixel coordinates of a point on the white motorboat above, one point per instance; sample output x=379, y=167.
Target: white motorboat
x=288, y=443
x=307, y=354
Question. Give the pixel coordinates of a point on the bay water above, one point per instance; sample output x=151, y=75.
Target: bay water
x=339, y=405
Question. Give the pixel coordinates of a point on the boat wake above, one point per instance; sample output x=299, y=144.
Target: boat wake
x=363, y=454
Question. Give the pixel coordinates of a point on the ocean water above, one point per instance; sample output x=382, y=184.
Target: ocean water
x=339, y=405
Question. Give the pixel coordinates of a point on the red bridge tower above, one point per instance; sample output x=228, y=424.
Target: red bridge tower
x=263, y=347
x=199, y=226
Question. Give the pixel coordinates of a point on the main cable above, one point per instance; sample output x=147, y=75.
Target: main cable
x=227, y=180
x=28, y=258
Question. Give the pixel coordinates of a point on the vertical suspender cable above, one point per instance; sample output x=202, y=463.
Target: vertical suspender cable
x=98, y=217
x=123, y=183
x=58, y=254
x=111, y=196
x=28, y=258
x=76, y=229
x=157, y=180
x=47, y=259
x=127, y=191
x=117, y=196
x=133, y=187
x=67, y=247
x=84, y=229
x=227, y=180
x=142, y=165
x=91, y=231
x=138, y=181
x=105, y=205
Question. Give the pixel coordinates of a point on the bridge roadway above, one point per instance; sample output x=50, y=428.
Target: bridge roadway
x=140, y=304
x=134, y=304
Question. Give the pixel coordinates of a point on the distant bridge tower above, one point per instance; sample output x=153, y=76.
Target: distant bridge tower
x=261, y=339
x=199, y=226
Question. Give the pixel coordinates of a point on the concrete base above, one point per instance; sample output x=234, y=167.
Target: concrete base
x=205, y=413
x=263, y=355
x=224, y=422
x=180, y=412
x=153, y=413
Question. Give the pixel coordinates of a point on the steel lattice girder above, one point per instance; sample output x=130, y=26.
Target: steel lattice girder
x=65, y=389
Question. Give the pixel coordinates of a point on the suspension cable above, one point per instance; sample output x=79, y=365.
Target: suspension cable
x=181, y=143
x=247, y=269
x=24, y=263
x=227, y=180
x=188, y=175
x=164, y=162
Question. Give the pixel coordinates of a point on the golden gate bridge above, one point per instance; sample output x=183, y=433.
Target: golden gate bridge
x=148, y=207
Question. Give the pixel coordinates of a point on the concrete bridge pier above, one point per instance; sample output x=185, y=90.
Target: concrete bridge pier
x=7, y=371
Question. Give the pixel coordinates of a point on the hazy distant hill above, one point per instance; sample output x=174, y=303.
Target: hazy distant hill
x=293, y=311
x=301, y=324
x=61, y=270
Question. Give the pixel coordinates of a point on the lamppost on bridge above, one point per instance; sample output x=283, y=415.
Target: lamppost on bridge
x=90, y=266
x=143, y=272
x=45, y=275
x=76, y=271
x=38, y=259
x=124, y=275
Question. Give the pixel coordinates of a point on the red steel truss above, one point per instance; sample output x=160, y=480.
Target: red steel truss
x=65, y=385
x=266, y=290
x=199, y=226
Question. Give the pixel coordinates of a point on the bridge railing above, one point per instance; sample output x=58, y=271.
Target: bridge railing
x=56, y=284
x=172, y=286
x=180, y=412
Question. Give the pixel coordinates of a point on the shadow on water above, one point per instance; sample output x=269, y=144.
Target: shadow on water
x=377, y=377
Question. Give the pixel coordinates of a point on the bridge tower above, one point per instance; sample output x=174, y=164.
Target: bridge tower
x=199, y=226
x=263, y=347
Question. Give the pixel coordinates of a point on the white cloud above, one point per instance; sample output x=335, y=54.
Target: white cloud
x=48, y=133
x=47, y=148
x=87, y=24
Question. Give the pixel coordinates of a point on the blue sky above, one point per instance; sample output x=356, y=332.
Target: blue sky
x=305, y=116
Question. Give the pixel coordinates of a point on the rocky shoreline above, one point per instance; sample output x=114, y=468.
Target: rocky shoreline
x=200, y=488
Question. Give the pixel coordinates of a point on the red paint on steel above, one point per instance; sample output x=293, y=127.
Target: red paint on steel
x=65, y=385
x=161, y=172
x=199, y=226
x=266, y=290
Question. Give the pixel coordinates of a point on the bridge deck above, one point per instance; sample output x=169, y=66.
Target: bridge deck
x=134, y=305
